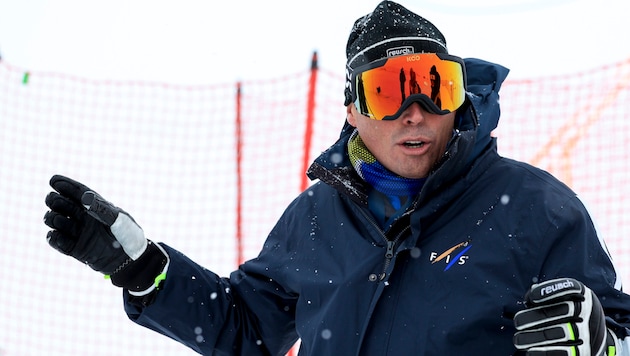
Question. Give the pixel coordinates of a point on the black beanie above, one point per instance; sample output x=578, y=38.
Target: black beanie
x=390, y=30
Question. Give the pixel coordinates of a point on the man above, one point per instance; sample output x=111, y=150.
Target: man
x=418, y=239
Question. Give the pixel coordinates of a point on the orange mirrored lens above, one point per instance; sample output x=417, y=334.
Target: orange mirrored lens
x=382, y=88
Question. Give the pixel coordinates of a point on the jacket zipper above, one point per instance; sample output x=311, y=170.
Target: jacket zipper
x=391, y=244
x=389, y=253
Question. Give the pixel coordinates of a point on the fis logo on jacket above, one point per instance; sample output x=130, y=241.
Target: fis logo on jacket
x=452, y=256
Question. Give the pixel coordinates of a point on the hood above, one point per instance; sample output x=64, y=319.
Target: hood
x=484, y=81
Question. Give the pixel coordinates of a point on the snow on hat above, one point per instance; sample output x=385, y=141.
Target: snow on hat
x=389, y=30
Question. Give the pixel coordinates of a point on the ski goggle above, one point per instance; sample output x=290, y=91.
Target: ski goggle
x=383, y=89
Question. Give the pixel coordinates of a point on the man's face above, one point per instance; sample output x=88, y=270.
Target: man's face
x=408, y=146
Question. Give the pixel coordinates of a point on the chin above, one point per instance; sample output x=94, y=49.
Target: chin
x=414, y=175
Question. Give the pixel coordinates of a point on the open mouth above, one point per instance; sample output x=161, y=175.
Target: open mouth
x=413, y=144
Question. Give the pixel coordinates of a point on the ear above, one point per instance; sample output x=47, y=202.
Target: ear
x=351, y=115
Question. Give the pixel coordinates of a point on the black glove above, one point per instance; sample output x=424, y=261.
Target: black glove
x=106, y=238
x=563, y=317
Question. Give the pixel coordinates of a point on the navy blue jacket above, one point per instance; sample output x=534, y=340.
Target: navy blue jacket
x=445, y=279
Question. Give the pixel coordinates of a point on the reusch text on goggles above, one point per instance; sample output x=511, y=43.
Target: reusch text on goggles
x=383, y=88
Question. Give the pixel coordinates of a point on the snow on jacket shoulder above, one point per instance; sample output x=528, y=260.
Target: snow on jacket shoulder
x=447, y=278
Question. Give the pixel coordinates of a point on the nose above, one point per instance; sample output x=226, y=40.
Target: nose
x=414, y=114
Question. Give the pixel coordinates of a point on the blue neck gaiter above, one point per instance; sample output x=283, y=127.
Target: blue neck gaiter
x=379, y=177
